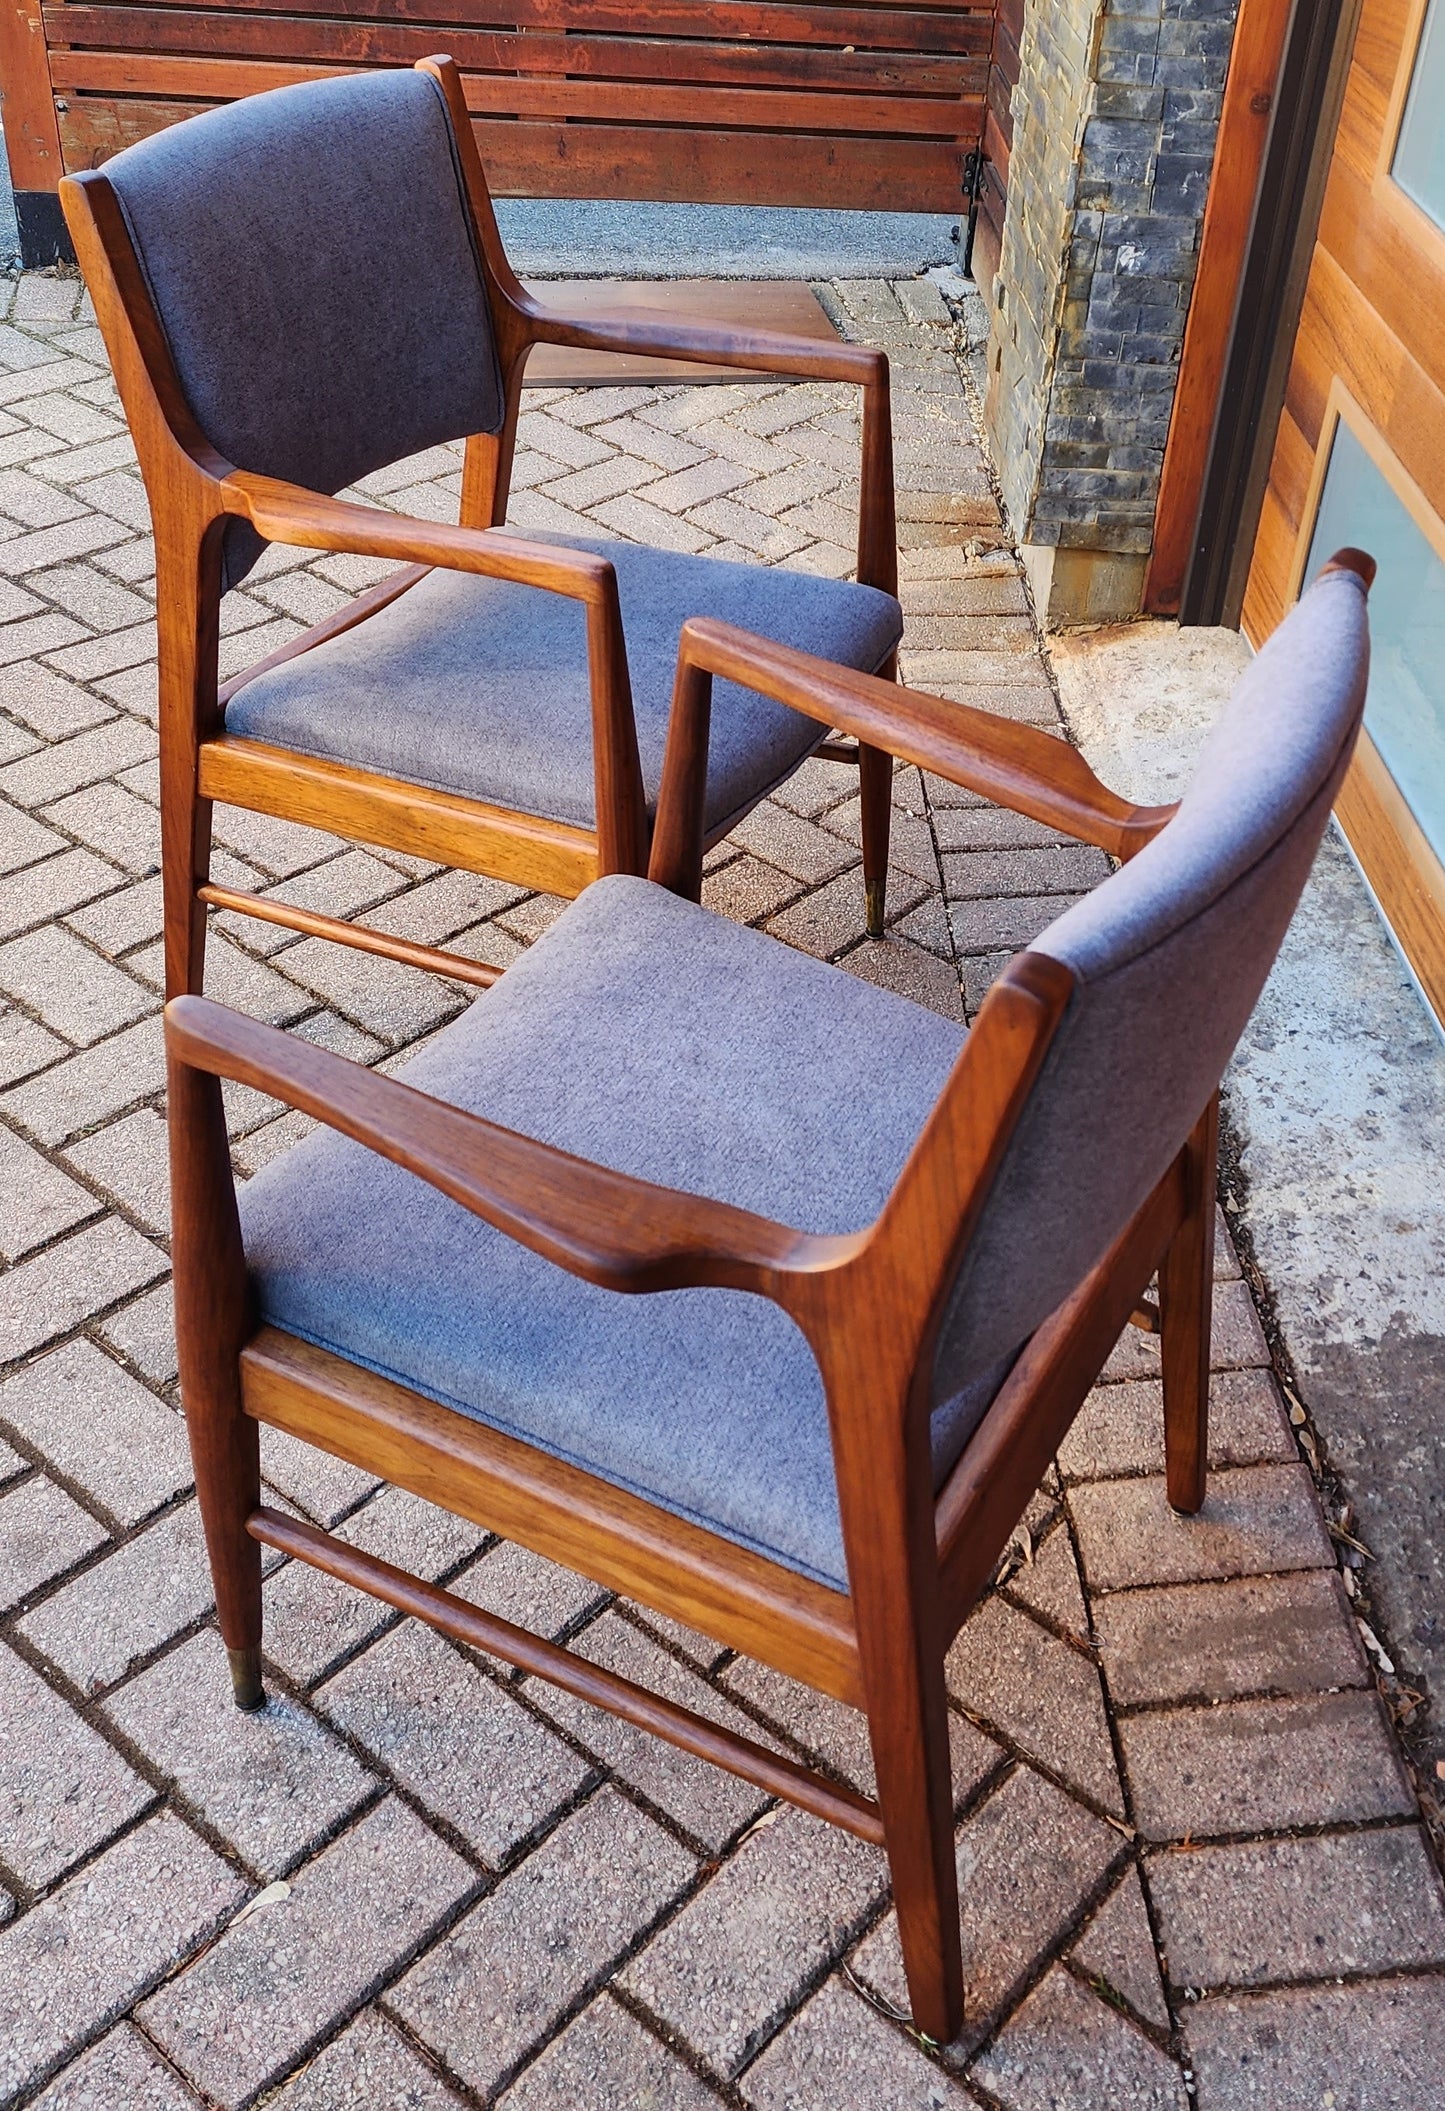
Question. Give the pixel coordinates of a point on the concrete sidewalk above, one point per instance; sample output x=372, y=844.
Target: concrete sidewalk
x=1335, y=1131
x=1194, y=1869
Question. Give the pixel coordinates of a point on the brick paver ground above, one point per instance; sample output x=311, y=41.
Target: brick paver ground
x=1192, y=1862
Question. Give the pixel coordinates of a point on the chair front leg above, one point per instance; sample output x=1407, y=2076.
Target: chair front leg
x=908, y=1730
x=212, y=1323
x=1186, y=1302
x=885, y=1495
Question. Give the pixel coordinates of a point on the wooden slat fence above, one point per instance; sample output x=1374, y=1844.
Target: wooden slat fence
x=716, y=101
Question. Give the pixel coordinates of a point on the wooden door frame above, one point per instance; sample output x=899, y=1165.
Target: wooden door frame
x=1250, y=91
x=1401, y=866
x=1218, y=491
x=1328, y=368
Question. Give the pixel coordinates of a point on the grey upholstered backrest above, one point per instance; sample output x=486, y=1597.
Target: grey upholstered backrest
x=311, y=257
x=1170, y=954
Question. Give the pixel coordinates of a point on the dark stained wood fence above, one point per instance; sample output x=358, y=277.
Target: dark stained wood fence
x=998, y=132
x=717, y=101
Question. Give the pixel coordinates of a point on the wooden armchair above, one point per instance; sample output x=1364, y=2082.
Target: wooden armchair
x=305, y=287
x=820, y=1472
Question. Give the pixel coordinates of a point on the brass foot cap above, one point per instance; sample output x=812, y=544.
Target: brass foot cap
x=873, y=894
x=246, y=1678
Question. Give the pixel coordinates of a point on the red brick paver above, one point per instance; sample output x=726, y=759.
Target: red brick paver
x=1190, y=1862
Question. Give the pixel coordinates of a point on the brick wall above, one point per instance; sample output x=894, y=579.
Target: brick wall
x=1115, y=115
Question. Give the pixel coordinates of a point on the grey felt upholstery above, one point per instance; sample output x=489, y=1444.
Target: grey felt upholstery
x=480, y=687
x=1170, y=956
x=310, y=255
x=649, y=1035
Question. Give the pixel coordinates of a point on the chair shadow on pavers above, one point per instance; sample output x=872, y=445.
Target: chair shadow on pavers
x=849, y=1348
x=498, y=703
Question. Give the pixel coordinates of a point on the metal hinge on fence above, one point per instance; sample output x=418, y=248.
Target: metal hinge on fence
x=973, y=164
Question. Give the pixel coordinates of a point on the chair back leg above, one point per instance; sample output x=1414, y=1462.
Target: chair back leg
x=875, y=791
x=1186, y=1304
x=212, y=1322
x=188, y=592
x=185, y=868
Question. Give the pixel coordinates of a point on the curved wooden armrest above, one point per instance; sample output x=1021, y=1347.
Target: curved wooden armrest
x=769, y=352
x=710, y=343
x=288, y=513
x=1015, y=766
x=607, y=1227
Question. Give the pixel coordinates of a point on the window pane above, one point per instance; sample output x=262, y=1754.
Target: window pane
x=1419, y=166
x=1405, y=711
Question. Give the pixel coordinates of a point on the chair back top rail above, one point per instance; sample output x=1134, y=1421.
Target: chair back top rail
x=234, y=259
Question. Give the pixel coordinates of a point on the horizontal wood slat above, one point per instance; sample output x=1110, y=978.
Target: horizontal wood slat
x=904, y=27
x=512, y=95
x=231, y=32
x=600, y=161
x=715, y=101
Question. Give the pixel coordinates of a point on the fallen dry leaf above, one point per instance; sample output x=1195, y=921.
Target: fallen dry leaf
x=271, y=1896
x=1375, y=1646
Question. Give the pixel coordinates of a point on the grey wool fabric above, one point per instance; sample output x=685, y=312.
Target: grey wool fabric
x=648, y=1035
x=310, y=255
x=1170, y=955
x=654, y=1037
x=480, y=687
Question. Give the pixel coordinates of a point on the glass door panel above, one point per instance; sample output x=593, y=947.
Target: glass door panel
x=1419, y=163
x=1405, y=713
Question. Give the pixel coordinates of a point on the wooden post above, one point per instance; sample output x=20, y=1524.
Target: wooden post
x=32, y=138
x=1228, y=220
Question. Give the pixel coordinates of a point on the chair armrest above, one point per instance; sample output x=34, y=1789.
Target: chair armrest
x=1015, y=766
x=607, y=1227
x=710, y=343
x=768, y=352
x=288, y=513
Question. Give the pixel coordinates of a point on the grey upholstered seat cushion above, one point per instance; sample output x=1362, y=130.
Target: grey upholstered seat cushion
x=480, y=687
x=649, y=1035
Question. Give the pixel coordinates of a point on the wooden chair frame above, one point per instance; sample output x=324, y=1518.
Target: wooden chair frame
x=193, y=492
x=869, y=1304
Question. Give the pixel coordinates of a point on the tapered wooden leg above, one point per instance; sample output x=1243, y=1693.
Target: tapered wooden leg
x=186, y=864
x=1186, y=1302
x=212, y=1323
x=875, y=785
x=676, y=860
x=915, y=1794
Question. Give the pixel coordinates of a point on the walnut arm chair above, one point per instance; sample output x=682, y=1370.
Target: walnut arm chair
x=305, y=287
x=845, y=1355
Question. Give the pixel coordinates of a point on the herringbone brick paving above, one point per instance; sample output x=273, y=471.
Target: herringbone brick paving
x=1192, y=1863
